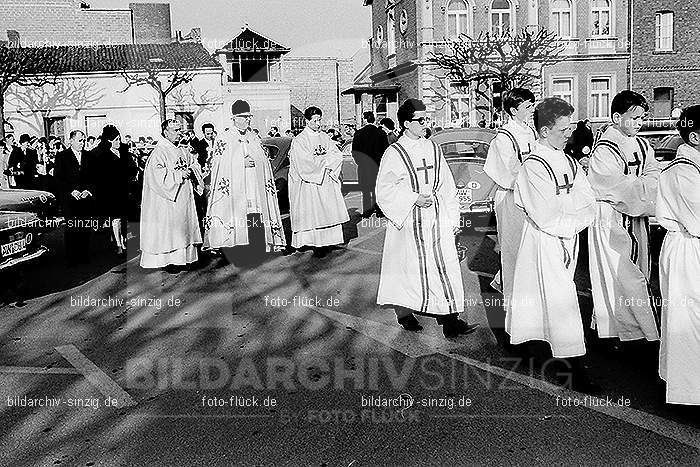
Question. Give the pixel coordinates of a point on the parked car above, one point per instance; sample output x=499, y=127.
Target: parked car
x=25, y=215
x=349, y=169
x=277, y=149
x=465, y=151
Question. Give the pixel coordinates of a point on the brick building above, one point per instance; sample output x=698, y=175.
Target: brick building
x=666, y=54
x=40, y=23
x=595, y=66
x=319, y=81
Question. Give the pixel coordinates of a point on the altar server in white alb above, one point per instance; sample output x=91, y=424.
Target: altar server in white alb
x=511, y=145
x=624, y=174
x=169, y=225
x=558, y=203
x=678, y=211
x=420, y=268
x=317, y=208
x=242, y=207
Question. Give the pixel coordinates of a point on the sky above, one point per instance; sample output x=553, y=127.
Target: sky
x=308, y=27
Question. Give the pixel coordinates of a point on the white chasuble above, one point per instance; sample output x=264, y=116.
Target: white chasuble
x=511, y=145
x=624, y=175
x=169, y=224
x=237, y=190
x=678, y=211
x=558, y=203
x=316, y=206
x=420, y=267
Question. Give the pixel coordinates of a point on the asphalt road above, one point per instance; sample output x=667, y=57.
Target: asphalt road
x=288, y=361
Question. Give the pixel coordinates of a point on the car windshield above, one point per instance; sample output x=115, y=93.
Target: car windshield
x=272, y=152
x=465, y=149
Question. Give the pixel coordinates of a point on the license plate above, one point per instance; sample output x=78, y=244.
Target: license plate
x=15, y=247
x=464, y=195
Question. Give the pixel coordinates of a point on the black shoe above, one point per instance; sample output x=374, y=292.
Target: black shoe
x=173, y=269
x=453, y=327
x=410, y=323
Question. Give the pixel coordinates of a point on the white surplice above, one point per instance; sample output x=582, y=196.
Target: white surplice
x=420, y=267
x=678, y=211
x=511, y=145
x=316, y=206
x=623, y=173
x=169, y=225
x=559, y=203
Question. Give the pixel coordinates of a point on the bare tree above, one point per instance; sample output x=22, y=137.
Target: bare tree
x=162, y=77
x=23, y=66
x=186, y=97
x=70, y=93
x=513, y=61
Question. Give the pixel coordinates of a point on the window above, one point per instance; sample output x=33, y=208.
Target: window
x=56, y=126
x=600, y=98
x=561, y=18
x=664, y=31
x=94, y=124
x=380, y=106
x=390, y=33
x=186, y=119
x=249, y=68
x=501, y=17
x=600, y=17
x=563, y=88
x=663, y=102
x=457, y=19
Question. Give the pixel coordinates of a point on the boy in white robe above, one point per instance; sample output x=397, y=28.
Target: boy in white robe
x=558, y=203
x=678, y=211
x=420, y=268
x=316, y=206
x=169, y=225
x=623, y=173
x=511, y=145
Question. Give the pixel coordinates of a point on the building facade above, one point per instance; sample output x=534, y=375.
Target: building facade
x=87, y=93
x=43, y=23
x=666, y=54
x=594, y=33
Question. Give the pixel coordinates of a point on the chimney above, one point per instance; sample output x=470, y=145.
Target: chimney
x=13, y=38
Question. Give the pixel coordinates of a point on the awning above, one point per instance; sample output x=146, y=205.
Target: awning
x=370, y=89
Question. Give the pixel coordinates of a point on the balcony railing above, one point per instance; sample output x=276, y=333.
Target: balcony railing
x=596, y=45
x=570, y=45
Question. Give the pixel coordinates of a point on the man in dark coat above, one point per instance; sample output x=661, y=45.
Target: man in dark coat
x=76, y=188
x=22, y=163
x=368, y=146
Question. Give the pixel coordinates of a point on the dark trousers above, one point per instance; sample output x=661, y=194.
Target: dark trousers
x=369, y=200
x=77, y=241
x=254, y=251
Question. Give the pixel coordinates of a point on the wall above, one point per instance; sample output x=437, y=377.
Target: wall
x=36, y=22
x=134, y=112
x=269, y=104
x=313, y=81
x=151, y=23
x=679, y=69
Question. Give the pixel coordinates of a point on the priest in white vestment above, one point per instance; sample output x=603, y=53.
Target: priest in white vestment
x=511, y=145
x=242, y=198
x=316, y=206
x=417, y=193
x=169, y=226
x=558, y=203
x=678, y=211
x=623, y=173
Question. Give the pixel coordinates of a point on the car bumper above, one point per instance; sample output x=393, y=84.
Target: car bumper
x=8, y=263
x=481, y=208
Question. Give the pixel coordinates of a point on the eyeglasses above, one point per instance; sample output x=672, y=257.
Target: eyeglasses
x=243, y=116
x=420, y=120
